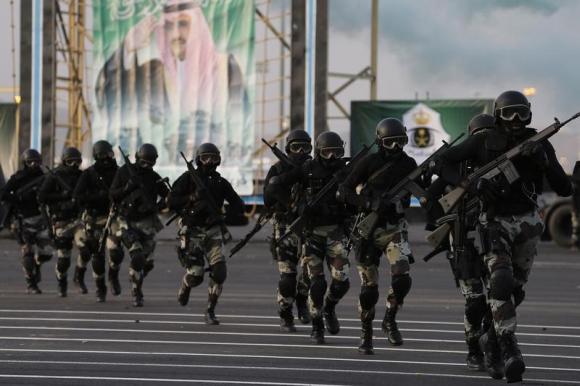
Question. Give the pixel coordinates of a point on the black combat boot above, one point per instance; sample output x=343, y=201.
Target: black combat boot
x=512, y=357
x=183, y=294
x=210, y=317
x=79, y=279
x=62, y=286
x=332, y=324
x=390, y=328
x=101, y=290
x=474, y=358
x=286, y=320
x=366, y=338
x=137, y=296
x=317, y=335
x=302, y=308
x=489, y=345
x=113, y=278
x=31, y=285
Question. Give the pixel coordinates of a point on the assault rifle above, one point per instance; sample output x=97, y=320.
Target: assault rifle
x=298, y=224
x=501, y=166
x=9, y=207
x=206, y=196
x=262, y=220
x=406, y=186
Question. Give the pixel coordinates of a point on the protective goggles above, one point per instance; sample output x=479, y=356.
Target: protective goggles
x=32, y=163
x=210, y=158
x=300, y=147
x=332, y=152
x=145, y=163
x=105, y=155
x=73, y=162
x=392, y=142
x=509, y=113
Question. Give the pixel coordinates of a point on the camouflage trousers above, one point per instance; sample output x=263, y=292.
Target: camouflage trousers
x=66, y=233
x=36, y=248
x=473, y=291
x=139, y=239
x=391, y=241
x=325, y=244
x=510, y=246
x=87, y=240
x=196, y=246
x=294, y=280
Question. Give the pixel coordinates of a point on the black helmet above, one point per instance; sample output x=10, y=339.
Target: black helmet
x=31, y=156
x=391, y=133
x=512, y=106
x=103, y=149
x=480, y=122
x=329, y=145
x=146, y=156
x=298, y=141
x=71, y=156
x=208, y=154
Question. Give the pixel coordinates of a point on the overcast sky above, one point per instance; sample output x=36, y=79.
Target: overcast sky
x=450, y=48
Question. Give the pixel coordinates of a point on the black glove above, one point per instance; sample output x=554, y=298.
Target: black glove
x=131, y=185
x=536, y=153
x=488, y=190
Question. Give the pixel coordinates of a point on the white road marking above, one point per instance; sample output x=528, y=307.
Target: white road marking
x=276, y=335
x=300, y=369
x=166, y=380
x=246, y=344
x=255, y=317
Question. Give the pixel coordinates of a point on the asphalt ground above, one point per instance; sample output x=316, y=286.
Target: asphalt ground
x=47, y=340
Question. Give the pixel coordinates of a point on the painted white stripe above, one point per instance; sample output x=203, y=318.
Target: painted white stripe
x=166, y=380
x=246, y=344
x=191, y=315
x=271, y=368
x=280, y=334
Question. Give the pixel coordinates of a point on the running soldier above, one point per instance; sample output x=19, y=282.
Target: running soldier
x=92, y=195
x=379, y=172
x=135, y=191
x=466, y=260
x=509, y=224
x=202, y=233
x=63, y=212
x=293, y=284
x=26, y=222
x=324, y=233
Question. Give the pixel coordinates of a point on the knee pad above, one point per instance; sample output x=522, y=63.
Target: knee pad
x=338, y=289
x=519, y=295
x=116, y=256
x=193, y=280
x=401, y=285
x=63, y=243
x=84, y=254
x=501, y=283
x=317, y=290
x=43, y=258
x=219, y=272
x=28, y=262
x=98, y=264
x=148, y=266
x=62, y=265
x=137, y=261
x=369, y=296
x=475, y=309
x=287, y=285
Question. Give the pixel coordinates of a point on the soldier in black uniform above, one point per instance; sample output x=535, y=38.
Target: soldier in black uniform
x=30, y=228
x=200, y=233
x=135, y=191
x=576, y=206
x=466, y=260
x=92, y=194
x=324, y=235
x=56, y=193
x=378, y=172
x=293, y=284
x=509, y=224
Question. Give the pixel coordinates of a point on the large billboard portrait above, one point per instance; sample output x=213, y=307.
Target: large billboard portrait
x=177, y=73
